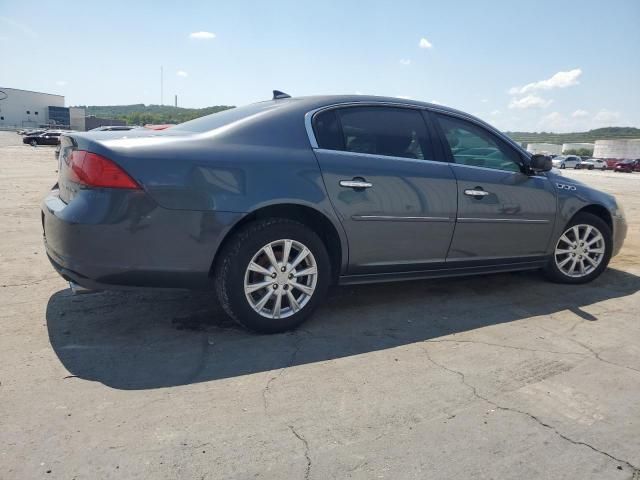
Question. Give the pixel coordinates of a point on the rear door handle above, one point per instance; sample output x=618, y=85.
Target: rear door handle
x=356, y=183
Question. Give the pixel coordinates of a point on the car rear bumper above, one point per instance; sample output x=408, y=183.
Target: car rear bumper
x=108, y=238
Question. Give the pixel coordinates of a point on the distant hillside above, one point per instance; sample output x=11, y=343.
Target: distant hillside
x=141, y=114
x=608, y=133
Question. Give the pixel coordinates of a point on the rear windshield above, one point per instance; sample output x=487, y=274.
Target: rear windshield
x=220, y=119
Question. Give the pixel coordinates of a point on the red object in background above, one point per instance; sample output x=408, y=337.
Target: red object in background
x=611, y=162
x=628, y=166
x=158, y=127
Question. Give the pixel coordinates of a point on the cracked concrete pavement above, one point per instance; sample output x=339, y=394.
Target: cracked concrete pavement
x=505, y=376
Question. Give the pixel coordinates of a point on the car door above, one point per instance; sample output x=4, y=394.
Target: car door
x=396, y=203
x=503, y=213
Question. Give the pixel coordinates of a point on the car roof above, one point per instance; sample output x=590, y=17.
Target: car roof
x=318, y=101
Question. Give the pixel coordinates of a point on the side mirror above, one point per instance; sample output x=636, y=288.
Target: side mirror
x=540, y=163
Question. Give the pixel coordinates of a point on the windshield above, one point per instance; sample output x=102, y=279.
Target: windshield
x=220, y=119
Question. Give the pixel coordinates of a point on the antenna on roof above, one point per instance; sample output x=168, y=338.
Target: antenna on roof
x=277, y=95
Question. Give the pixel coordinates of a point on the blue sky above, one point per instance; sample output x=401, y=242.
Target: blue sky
x=538, y=65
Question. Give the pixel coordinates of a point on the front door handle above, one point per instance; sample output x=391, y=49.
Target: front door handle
x=356, y=183
x=477, y=193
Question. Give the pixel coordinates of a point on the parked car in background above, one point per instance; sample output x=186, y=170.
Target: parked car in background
x=49, y=137
x=566, y=161
x=593, y=163
x=270, y=203
x=32, y=131
x=612, y=162
x=627, y=166
x=113, y=128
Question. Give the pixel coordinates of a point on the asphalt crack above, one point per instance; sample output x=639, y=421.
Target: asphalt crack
x=594, y=353
x=306, y=451
x=634, y=469
x=267, y=387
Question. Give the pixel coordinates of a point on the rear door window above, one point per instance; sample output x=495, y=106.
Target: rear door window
x=388, y=131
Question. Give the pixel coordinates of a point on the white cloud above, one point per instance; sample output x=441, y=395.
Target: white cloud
x=435, y=102
x=559, y=80
x=606, y=118
x=530, y=101
x=202, y=35
x=579, y=113
x=26, y=30
x=495, y=112
x=182, y=73
x=484, y=100
x=405, y=61
x=61, y=83
x=424, y=43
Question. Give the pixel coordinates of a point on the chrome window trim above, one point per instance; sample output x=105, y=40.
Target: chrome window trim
x=376, y=155
x=308, y=117
x=308, y=120
x=462, y=165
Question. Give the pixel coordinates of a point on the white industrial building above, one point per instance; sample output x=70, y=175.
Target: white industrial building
x=620, y=149
x=24, y=108
x=545, y=148
x=577, y=146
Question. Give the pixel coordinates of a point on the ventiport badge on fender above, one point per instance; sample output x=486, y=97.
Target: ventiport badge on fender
x=564, y=186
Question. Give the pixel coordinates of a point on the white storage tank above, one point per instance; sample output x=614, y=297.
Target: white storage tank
x=545, y=148
x=620, y=149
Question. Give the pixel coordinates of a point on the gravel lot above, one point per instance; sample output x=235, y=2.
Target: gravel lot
x=504, y=376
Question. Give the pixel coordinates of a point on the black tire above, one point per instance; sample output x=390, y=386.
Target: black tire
x=562, y=166
x=590, y=167
x=33, y=143
x=234, y=259
x=552, y=271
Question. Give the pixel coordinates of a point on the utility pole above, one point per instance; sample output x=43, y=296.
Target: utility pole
x=176, y=101
x=161, y=86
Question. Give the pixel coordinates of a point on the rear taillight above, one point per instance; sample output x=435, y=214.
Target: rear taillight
x=94, y=170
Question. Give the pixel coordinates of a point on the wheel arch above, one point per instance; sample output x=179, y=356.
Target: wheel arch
x=599, y=211
x=331, y=234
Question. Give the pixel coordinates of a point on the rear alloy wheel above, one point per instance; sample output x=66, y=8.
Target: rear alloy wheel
x=582, y=252
x=34, y=143
x=280, y=279
x=272, y=274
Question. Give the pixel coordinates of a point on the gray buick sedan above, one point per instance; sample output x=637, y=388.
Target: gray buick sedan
x=271, y=203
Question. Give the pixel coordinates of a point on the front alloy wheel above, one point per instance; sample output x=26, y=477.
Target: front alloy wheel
x=582, y=251
x=579, y=250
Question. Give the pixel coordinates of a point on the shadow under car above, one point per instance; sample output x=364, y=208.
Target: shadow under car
x=154, y=339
